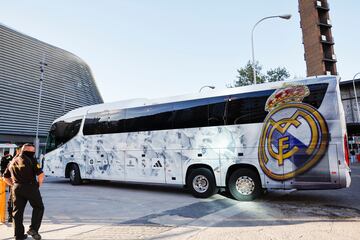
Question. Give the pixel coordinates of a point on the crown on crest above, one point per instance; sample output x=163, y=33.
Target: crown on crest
x=287, y=94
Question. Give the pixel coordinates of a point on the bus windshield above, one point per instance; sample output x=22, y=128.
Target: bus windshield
x=61, y=132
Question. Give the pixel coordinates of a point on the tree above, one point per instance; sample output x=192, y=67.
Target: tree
x=277, y=74
x=245, y=75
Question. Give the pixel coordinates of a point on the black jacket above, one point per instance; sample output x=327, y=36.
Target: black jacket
x=4, y=162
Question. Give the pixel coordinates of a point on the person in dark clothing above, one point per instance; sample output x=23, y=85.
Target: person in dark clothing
x=10, y=202
x=5, y=160
x=21, y=174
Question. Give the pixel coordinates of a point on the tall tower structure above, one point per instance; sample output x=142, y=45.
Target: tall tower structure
x=317, y=37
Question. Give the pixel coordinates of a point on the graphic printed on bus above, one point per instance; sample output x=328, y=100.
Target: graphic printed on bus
x=294, y=133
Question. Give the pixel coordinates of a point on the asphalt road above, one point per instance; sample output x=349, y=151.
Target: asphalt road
x=112, y=210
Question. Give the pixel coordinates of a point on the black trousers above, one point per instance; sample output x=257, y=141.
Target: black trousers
x=22, y=193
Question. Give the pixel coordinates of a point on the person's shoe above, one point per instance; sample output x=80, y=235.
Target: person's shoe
x=23, y=238
x=34, y=234
x=10, y=220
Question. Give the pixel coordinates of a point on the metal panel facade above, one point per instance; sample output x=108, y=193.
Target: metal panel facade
x=68, y=84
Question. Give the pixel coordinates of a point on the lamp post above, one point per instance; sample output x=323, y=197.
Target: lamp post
x=206, y=86
x=356, y=100
x=285, y=16
x=37, y=142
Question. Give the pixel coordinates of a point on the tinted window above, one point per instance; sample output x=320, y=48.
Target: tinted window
x=217, y=114
x=96, y=123
x=250, y=107
x=258, y=112
x=134, y=121
x=247, y=108
x=191, y=117
x=160, y=117
x=240, y=109
x=61, y=132
x=217, y=111
x=50, y=142
x=157, y=117
x=116, y=121
x=317, y=94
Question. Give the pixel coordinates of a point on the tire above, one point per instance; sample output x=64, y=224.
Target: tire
x=74, y=175
x=201, y=182
x=244, y=185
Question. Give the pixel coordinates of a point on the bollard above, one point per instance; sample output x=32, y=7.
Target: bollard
x=2, y=200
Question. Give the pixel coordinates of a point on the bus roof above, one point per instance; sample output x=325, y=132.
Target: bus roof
x=80, y=112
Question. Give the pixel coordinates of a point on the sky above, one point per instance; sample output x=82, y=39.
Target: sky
x=160, y=48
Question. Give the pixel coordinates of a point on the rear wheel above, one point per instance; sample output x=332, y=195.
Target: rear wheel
x=244, y=185
x=74, y=174
x=201, y=182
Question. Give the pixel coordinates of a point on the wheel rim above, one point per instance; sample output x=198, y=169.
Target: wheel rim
x=245, y=185
x=72, y=175
x=200, y=183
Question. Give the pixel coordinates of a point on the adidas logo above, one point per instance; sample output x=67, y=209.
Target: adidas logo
x=157, y=164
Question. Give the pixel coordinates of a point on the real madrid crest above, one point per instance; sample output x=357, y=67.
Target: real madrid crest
x=294, y=135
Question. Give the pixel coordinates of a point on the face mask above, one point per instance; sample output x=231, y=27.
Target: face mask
x=29, y=154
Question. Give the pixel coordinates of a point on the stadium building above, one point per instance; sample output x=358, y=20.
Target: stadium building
x=351, y=112
x=67, y=84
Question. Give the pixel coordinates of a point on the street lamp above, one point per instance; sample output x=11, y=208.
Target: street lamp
x=285, y=16
x=357, y=103
x=206, y=86
x=42, y=65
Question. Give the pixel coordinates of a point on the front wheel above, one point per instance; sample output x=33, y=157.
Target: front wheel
x=75, y=178
x=244, y=185
x=201, y=181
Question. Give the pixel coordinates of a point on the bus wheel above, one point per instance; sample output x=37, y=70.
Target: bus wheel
x=201, y=181
x=244, y=185
x=75, y=178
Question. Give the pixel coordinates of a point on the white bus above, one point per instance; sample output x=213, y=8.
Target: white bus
x=282, y=135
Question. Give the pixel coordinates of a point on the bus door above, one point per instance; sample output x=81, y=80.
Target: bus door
x=145, y=166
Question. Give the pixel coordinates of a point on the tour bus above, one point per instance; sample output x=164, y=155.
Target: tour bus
x=281, y=135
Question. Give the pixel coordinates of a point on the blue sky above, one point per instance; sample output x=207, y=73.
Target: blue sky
x=158, y=48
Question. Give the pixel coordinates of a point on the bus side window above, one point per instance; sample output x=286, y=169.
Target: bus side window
x=160, y=121
x=247, y=108
x=71, y=130
x=116, y=122
x=216, y=114
x=258, y=113
x=135, y=122
x=191, y=117
x=149, y=118
x=238, y=111
x=317, y=94
x=96, y=123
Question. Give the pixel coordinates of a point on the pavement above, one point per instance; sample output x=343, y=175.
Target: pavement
x=112, y=210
